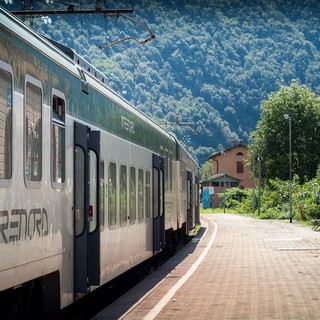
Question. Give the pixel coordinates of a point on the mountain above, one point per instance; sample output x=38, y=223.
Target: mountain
x=212, y=62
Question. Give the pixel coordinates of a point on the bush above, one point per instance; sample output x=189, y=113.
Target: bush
x=274, y=200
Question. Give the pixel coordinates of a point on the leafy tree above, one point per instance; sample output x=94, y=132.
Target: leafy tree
x=206, y=170
x=271, y=138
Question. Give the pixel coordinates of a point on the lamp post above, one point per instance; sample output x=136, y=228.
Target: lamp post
x=224, y=184
x=287, y=116
x=253, y=170
x=259, y=190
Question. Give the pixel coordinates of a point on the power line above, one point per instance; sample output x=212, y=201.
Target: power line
x=71, y=10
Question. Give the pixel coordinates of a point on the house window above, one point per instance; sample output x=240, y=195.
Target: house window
x=234, y=184
x=239, y=167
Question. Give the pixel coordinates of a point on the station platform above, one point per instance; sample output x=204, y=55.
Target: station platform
x=236, y=268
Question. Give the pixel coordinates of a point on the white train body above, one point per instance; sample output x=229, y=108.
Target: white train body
x=89, y=186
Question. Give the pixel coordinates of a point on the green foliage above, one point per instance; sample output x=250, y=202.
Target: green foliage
x=234, y=196
x=206, y=170
x=271, y=138
x=274, y=200
x=212, y=62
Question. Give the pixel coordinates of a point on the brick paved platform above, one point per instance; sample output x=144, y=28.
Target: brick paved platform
x=238, y=268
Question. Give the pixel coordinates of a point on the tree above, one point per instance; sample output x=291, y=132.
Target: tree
x=206, y=170
x=271, y=138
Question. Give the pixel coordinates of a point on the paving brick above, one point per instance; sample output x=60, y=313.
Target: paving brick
x=254, y=269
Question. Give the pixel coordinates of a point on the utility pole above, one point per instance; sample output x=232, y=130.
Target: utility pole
x=180, y=123
x=287, y=116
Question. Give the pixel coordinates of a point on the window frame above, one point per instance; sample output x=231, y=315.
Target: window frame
x=148, y=194
x=6, y=182
x=31, y=183
x=141, y=195
x=240, y=166
x=123, y=220
x=113, y=224
x=61, y=124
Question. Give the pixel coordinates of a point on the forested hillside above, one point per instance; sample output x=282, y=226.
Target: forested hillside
x=212, y=62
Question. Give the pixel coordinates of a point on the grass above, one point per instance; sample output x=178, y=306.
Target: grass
x=216, y=210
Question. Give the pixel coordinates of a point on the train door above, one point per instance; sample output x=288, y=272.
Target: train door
x=86, y=211
x=190, y=218
x=158, y=203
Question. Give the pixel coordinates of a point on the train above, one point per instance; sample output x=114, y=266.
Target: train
x=89, y=186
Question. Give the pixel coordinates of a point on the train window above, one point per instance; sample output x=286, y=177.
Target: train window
x=140, y=195
x=148, y=195
x=133, y=196
x=33, y=132
x=58, y=140
x=123, y=195
x=112, y=195
x=5, y=124
x=93, y=205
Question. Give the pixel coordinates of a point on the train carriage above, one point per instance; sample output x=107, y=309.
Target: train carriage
x=89, y=186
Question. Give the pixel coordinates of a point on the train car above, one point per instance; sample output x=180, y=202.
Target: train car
x=89, y=186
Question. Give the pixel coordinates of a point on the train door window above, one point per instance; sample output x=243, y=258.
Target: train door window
x=5, y=122
x=93, y=205
x=112, y=195
x=133, y=196
x=58, y=140
x=166, y=170
x=79, y=184
x=170, y=170
x=161, y=193
x=140, y=195
x=197, y=194
x=155, y=179
x=123, y=196
x=33, y=131
x=189, y=194
x=148, y=195
x=102, y=194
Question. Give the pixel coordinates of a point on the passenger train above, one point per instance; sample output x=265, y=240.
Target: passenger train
x=89, y=186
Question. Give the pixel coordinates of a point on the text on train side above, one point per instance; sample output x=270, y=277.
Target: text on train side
x=18, y=224
x=126, y=124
